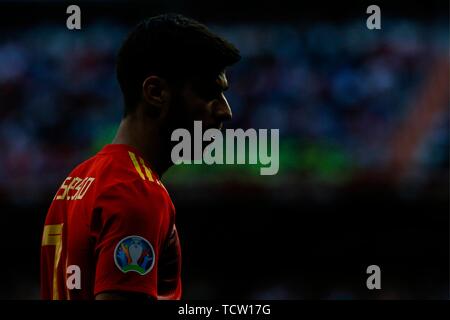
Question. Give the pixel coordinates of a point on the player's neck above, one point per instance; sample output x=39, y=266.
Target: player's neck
x=134, y=132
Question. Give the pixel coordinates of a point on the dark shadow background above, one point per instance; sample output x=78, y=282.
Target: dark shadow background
x=364, y=145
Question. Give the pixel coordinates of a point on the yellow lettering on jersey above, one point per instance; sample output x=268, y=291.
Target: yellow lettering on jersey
x=80, y=186
x=148, y=172
x=64, y=187
x=52, y=236
x=71, y=186
x=86, y=184
x=77, y=186
x=136, y=164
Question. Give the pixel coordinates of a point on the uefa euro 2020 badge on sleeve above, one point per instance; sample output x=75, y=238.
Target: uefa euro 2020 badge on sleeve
x=134, y=254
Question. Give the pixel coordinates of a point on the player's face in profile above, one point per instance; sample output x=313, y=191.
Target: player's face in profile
x=200, y=99
x=203, y=99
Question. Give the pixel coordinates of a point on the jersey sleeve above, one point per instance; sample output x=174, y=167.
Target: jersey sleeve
x=128, y=227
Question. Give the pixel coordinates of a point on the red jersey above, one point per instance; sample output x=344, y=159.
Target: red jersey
x=111, y=227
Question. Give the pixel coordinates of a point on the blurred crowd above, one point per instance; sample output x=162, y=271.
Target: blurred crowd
x=337, y=92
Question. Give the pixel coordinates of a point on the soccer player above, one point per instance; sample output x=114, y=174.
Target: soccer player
x=110, y=230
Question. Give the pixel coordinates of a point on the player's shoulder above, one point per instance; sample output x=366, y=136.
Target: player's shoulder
x=128, y=176
x=121, y=174
x=132, y=188
x=131, y=171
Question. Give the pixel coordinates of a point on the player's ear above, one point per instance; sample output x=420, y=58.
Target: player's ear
x=156, y=94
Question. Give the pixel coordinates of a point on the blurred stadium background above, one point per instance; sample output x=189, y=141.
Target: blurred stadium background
x=364, y=147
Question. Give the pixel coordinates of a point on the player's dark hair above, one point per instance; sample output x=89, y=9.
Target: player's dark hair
x=173, y=47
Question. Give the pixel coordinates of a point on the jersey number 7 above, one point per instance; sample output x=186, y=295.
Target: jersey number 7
x=53, y=237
